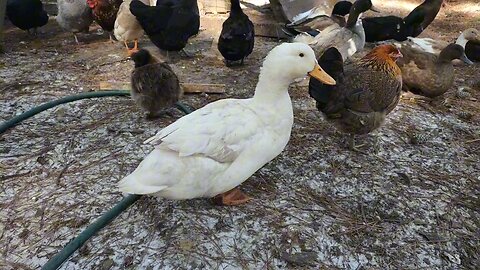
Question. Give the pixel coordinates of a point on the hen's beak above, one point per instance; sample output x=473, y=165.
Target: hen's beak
x=321, y=75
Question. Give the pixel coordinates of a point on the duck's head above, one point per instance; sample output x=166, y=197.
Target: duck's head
x=453, y=51
x=361, y=6
x=471, y=34
x=290, y=61
x=342, y=8
x=358, y=8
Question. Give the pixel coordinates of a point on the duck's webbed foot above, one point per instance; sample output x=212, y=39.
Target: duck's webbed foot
x=232, y=197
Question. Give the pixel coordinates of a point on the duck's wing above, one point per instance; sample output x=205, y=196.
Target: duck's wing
x=238, y=27
x=220, y=131
x=382, y=28
x=338, y=37
x=428, y=45
x=415, y=56
x=317, y=23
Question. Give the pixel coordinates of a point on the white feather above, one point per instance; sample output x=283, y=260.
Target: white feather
x=425, y=44
x=126, y=27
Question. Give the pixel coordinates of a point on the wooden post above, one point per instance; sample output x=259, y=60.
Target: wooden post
x=3, y=7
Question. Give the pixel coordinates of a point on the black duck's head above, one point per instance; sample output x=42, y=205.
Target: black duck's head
x=358, y=8
x=141, y=58
x=454, y=51
x=362, y=6
x=342, y=8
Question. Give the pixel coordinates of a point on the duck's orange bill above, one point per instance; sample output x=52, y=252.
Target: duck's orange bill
x=321, y=75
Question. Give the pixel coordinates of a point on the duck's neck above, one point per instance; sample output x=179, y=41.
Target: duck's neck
x=444, y=58
x=235, y=7
x=352, y=18
x=271, y=89
x=359, y=30
x=461, y=40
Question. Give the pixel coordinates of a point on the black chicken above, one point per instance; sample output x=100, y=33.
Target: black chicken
x=170, y=23
x=27, y=14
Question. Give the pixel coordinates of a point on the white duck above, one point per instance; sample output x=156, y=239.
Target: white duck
x=216, y=148
x=348, y=39
x=436, y=46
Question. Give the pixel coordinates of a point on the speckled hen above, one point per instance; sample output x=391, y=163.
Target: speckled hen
x=366, y=91
x=105, y=13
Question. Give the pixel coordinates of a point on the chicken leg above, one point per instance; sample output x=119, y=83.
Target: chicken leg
x=351, y=144
x=76, y=38
x=110, y=36
x=133, y=50
x=232, y=197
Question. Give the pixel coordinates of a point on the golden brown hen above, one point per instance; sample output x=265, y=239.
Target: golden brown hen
x=366, y=90
x=105, y=12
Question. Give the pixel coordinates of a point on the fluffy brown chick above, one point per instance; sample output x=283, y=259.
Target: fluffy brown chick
x=366, y=90
x=155, y=86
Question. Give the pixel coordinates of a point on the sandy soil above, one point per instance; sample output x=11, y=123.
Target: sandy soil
x=410, y=203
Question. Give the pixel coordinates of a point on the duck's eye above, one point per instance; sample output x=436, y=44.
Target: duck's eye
x=301, y=55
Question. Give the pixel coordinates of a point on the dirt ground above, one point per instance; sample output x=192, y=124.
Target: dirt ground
x=411, y=203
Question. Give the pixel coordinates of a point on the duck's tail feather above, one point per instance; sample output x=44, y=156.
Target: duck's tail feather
x=132, y=185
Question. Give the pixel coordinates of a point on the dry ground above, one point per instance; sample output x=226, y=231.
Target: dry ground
x=412, y=203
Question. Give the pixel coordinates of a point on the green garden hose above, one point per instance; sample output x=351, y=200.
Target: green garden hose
x=57, y=260
x=36, y=110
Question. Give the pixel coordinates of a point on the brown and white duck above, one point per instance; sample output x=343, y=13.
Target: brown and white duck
x=427, y=74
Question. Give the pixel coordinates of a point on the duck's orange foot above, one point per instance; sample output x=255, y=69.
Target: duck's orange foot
x=232, y=197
